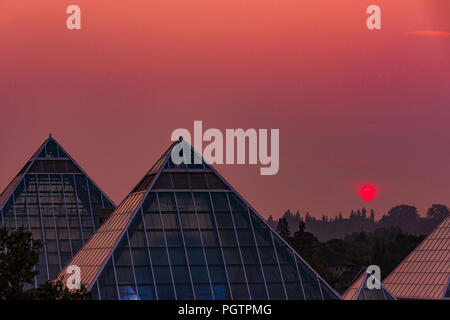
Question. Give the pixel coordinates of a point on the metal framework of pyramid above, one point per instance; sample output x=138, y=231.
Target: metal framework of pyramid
x=360, y=291
x=184, y=233
x=55, y=200
x=425, y=272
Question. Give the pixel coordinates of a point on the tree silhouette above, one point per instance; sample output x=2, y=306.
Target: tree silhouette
x=19, y=255
x=301, y=226
x=438, y=212
x=377, y=252
x=403, y=212
x=372, y=215
x=283, y=227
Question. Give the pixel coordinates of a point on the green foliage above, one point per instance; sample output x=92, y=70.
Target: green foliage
x=57, y=291
x=438, y=212
x=19, y=254
x=385, y=247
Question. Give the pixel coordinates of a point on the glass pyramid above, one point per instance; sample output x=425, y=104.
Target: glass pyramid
x=360, y=291
x=54, y=199
x=184, y=233
x=425, y=272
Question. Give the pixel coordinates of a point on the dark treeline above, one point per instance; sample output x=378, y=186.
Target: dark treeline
x=385, y=247
x=357, y=241
x=404, y=217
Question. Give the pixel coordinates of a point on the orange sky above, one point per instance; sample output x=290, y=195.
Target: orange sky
x=352, y=105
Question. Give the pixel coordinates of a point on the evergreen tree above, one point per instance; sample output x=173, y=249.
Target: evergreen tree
x=308, y=218
x=271, y=222
x=283, y=227
x=363, y=213
x=438, y=212
x=18, y=255
x=287, y=214
x=372, y=215
x=377, y=252
x=301, y=227
x=56, y=291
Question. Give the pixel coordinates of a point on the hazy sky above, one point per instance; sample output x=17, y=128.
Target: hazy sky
x=352, y=105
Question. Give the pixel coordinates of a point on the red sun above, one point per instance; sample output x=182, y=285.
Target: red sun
x=367, y=192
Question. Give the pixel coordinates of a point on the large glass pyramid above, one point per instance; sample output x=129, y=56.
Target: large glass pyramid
x=425, y=272
x=54, y=199
x=184, y=233
x=359, y=290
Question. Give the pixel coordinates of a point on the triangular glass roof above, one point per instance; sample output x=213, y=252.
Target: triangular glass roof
x=425, y=272
x=54, y=199
x=359, y=290
x=185, y=233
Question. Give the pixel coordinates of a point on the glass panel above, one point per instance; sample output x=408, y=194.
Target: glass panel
x=52, y=149
x=217, y=274
x=198, y=181
x=220, y=291
x=174, y=238
x=192, y=238
x=199, y=274
x=203, y=291
x=180, y=181
x=127, y=292
x=162, y=275
x=184, y=292
x=276, y=291
x=177, y=256
x=96, y=201
x=258, y=291
x=181, y=274
x=164, y=182
x=165, y=292
x=294, y=291
x=107, y=277
x=236, y=273
x=167, y=202
x=254, y=273
x=309, y=280
x=143, y=275
x=195, y=256
x=213, y=256
x=42, y=153
x=240, y=212
x=61, y=153
x=240, y=291
x=327, y=293
x=215, y=182
x=107, y=203
x=146, y=292
x=94, y=292
x=159, y=256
